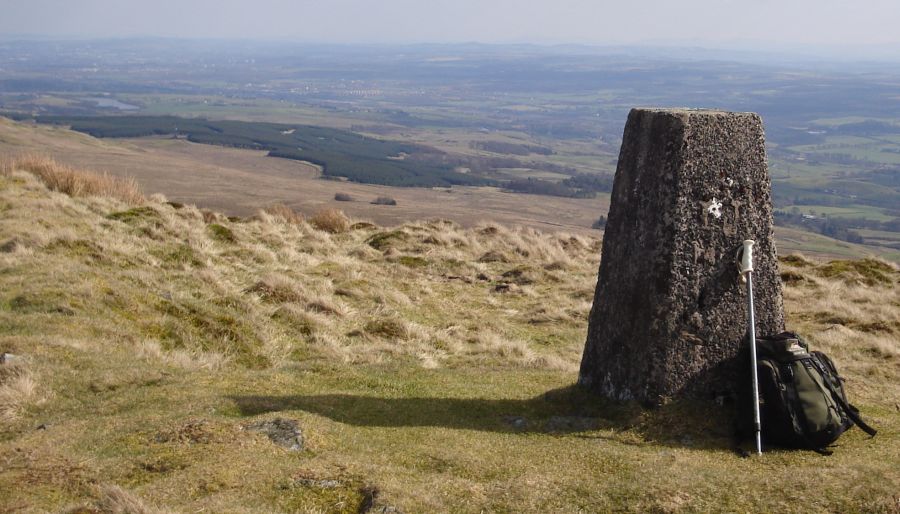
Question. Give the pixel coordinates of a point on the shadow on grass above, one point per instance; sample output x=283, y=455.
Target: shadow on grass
x=560, y=411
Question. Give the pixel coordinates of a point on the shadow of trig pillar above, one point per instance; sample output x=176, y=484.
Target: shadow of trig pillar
x=670, y=310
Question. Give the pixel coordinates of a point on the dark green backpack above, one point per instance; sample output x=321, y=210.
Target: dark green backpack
x=802, y=399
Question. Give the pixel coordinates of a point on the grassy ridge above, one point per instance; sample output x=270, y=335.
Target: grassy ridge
x=430, y=367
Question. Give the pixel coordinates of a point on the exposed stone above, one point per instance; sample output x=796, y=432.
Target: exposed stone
x=385, y=509
x=9, y=358
x=506, y=287
x=325, y=483
x=493, y=256
x=465, y=280
x=521, y=276
x=283, y=432
x=670, y=310
x=9, y=246
x=517, y=422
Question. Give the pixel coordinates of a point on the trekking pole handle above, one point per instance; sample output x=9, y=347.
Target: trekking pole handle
x=746, y=257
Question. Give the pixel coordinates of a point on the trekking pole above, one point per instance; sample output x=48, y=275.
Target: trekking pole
x=745, y=255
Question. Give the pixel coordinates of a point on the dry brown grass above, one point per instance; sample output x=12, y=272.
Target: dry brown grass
x=284, y=213
x=333, y=221
x=851, y=311
x=115, y=500
x=77, y=182
x=18, y=390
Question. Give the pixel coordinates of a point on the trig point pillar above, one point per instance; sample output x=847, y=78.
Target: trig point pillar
x=670, y=310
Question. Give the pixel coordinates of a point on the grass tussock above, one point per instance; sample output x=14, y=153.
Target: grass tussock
x=221, y=233
x=116, y=500
x=384, y=200
x=275, y=289
x=76, y=182
x=333, y=221
x=867, y=271
x=18, y=390
x=282, y=212
x=429, y=366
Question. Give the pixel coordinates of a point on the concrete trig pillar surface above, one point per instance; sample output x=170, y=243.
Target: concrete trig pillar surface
x=670, y=309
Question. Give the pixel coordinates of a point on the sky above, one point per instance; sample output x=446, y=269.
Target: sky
x=766, y=24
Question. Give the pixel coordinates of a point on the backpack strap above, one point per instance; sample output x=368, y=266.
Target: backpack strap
x=852, y=412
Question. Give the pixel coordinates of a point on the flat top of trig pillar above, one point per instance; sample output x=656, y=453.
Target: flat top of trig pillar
x=690, y=111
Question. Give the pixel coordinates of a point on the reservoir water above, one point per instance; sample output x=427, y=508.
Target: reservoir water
x=115, y=104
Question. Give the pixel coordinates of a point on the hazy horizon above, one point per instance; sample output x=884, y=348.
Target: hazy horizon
x=803, y=26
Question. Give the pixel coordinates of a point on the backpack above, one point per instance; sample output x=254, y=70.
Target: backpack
x=802, y=398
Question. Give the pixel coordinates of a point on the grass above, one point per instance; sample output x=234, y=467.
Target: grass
x=867, y=271
x=284, y=213
x=384, y=200
x=221, y=233
x=75, y=182
x=332, y=221
x=853, y=211
x=150, y=347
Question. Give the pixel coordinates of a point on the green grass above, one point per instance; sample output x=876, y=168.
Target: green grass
x=881, y=236
x=221, y=233
x=416, y=386
x=796, y=240
x=850, y=211
x=878, y=149
x=870, y=271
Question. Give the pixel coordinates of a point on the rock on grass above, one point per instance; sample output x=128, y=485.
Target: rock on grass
x=283, y=432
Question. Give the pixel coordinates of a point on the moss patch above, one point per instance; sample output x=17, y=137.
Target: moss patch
x=384, y=240
x=42, y=302
x=386, y=328
x=795, y=260
x=221, y=233
x=192, y=325
x=274, y=291
x=412, y=261
x=867, y=271
x=134, y=215
x=77, y=248
x=177, y=256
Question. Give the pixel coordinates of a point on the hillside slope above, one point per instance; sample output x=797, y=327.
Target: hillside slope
x=429, y=367
x=240, y=182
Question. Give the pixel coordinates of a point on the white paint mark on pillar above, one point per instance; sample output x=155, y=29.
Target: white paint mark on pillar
x=714, y=207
